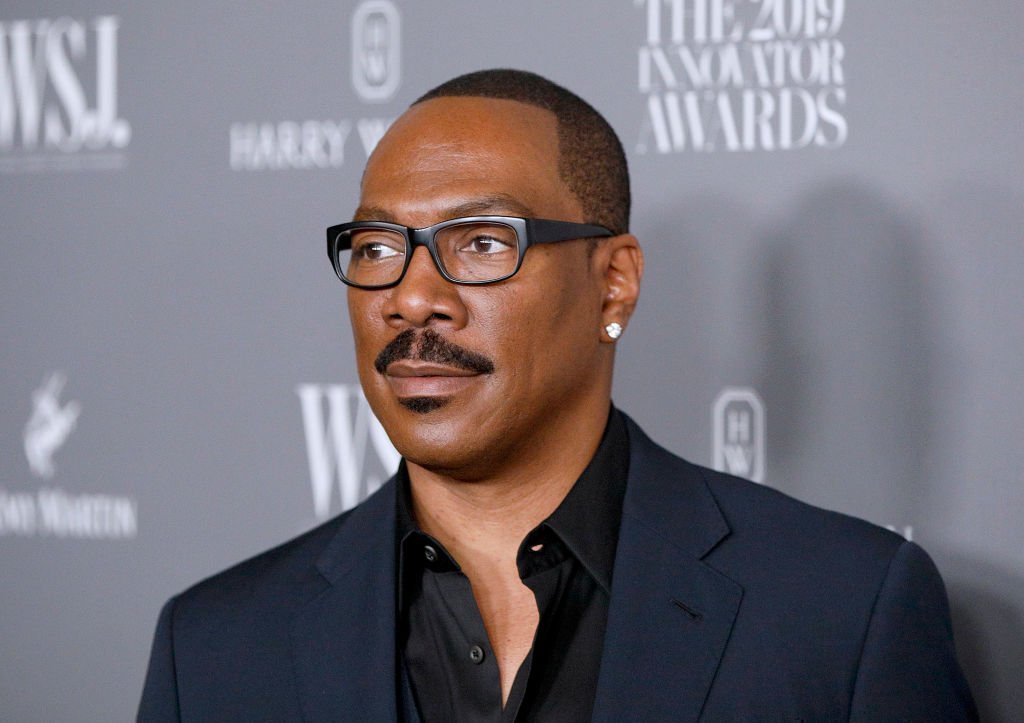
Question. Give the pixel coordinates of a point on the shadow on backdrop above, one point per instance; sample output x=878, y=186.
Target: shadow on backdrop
x=988, y=616
x=854, y=354
x=981, y=223
x=849, y=357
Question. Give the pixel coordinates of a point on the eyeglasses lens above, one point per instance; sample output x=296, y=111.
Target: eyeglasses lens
x=375, y=256
x=478, y=251
x=470, y=251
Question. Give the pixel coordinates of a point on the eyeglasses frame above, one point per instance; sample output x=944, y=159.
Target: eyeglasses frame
x=529, y=232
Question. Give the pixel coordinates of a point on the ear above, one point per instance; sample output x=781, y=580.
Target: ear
x=622, y=262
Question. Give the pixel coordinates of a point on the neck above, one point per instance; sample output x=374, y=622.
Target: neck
x=483, y=521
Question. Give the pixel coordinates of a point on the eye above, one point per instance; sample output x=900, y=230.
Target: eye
x=375, y=251
x=375, y=245
x=486, y=244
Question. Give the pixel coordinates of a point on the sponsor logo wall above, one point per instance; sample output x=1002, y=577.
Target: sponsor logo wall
x=341, y=433
x=376, y=63
x=50, y=510
x=738, y=431
x=729, y=75
x=166, y=173
x=48, y=120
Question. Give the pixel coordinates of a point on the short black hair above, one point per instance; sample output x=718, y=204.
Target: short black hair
x=591, y=160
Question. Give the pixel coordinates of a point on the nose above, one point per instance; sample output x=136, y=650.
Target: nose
x=424, y=297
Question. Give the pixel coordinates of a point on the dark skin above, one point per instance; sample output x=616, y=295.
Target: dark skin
x=497, y=452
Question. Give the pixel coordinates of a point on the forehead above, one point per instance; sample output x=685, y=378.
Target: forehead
x=449, y=153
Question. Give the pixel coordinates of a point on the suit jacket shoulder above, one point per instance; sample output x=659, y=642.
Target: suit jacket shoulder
x=793, y=534
x=268, y=577
x=793, y=611
x=267, y=637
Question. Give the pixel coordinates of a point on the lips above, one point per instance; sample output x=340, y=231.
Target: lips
x=408, y=368
x=410, y=378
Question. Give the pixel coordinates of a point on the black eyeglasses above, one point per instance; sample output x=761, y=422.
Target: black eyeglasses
x=469, y=250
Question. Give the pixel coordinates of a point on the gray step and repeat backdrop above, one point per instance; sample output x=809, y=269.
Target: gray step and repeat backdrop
x=830, y=195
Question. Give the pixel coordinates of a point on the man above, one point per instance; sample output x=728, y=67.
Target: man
x=537, y=557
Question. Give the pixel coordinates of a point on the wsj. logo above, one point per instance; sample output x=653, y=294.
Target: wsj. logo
x=49, y=426
x=44, y=105
x=376, y=50
x=738, y=421
x=337, y=443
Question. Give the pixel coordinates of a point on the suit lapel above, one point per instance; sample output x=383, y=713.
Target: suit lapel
x=343, y=638
x=671, y=613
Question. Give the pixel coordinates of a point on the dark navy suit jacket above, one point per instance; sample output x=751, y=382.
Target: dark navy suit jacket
x=730, y=601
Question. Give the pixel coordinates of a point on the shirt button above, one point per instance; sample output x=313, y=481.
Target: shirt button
x=476, y=654
x=430, y=553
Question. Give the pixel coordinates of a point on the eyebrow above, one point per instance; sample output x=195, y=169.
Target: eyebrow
x=498, y=204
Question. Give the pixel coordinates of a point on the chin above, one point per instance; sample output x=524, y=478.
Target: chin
x=424, y=405
x=430, y=433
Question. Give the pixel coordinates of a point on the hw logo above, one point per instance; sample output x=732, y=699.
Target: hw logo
x=43, y=81
x=49, y=426
x=738, y=433
x=376, y=50
x=340, y=431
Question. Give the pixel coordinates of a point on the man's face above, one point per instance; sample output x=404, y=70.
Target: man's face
x=466, y=378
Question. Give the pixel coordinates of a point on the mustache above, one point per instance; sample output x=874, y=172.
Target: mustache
x=429, y=346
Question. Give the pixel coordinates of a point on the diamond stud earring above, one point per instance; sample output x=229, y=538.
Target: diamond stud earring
x=613, y=330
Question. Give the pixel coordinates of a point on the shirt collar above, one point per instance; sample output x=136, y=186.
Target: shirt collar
x=586, y=521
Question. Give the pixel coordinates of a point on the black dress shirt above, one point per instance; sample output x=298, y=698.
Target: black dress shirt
x=566, y=561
